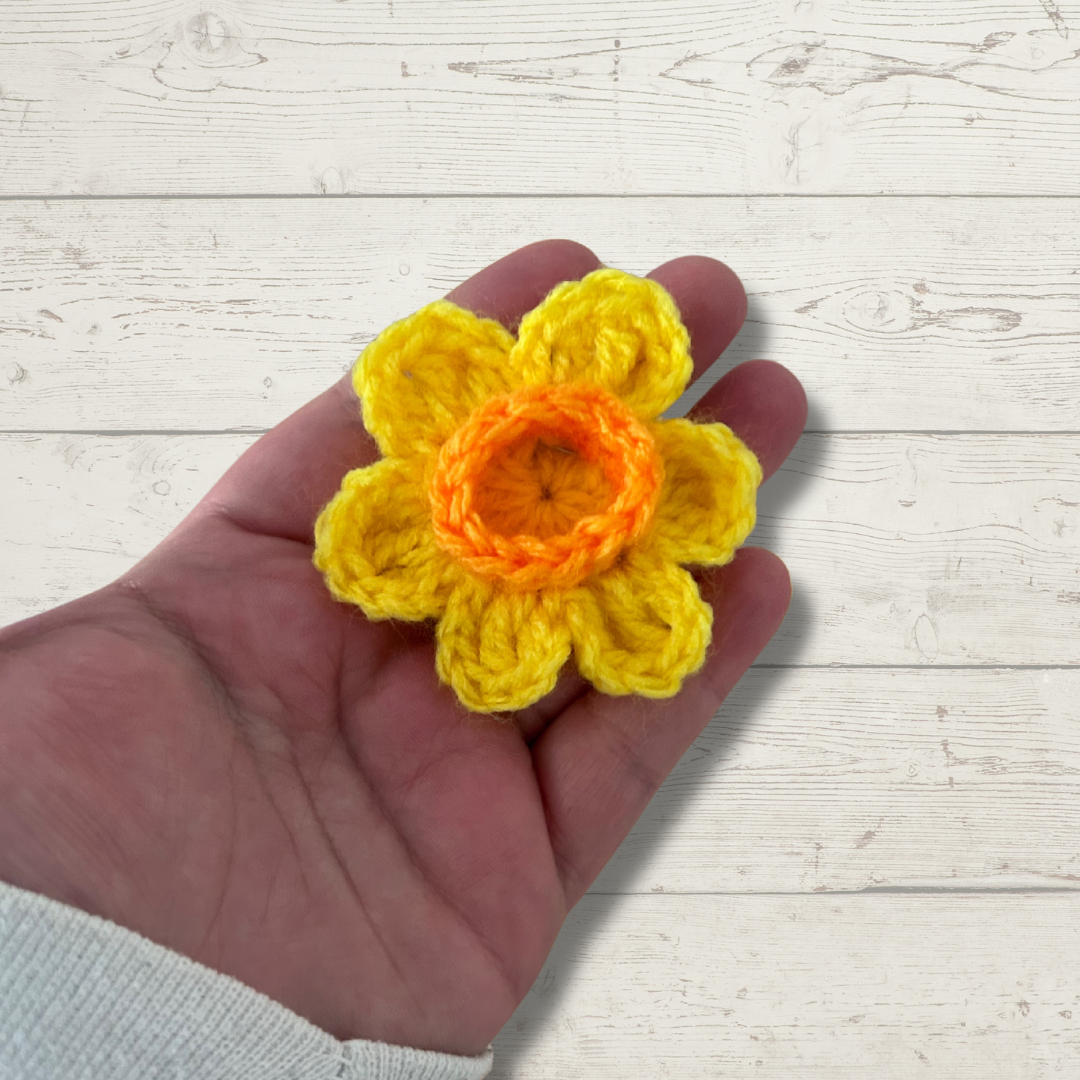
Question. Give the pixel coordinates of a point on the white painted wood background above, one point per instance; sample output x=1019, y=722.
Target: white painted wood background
x=869, y=863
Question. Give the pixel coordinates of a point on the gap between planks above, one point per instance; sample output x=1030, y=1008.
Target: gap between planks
x=542, y=196
x=904, y=890
x=110, y=432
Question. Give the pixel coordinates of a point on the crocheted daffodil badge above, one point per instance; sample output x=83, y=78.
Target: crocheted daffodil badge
x=530, y=500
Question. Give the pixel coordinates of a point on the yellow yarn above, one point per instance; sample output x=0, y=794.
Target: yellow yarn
x=531, y=501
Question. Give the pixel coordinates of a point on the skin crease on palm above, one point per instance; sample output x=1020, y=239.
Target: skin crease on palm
x=214, y=753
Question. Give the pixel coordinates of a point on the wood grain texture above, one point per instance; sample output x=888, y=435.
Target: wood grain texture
x=969, y=987
x=824, y=779
x=918, y=549
x=897, y=314
x=417, y=96
x=904, y=549
x=80, y=510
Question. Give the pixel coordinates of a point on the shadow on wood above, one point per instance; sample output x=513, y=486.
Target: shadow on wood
x=518, y=1039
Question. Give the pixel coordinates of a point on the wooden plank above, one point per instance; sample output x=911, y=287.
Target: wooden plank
x=904, y=549
x=969, y=987
x=898, y=314
x=80, y=510
x=916, y=549
x=418, y=96
x=825, y=779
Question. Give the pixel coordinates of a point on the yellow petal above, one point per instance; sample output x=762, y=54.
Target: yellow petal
x=498, y=649
x=640, y=627
x=421, y=377
x=708, y=505
x=619, y=331
x=375, y=546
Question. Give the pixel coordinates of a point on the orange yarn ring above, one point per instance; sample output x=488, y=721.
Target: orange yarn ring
x=593, y=423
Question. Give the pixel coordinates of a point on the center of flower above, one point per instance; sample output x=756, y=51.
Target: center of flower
x=545, y=486
x=539, y=487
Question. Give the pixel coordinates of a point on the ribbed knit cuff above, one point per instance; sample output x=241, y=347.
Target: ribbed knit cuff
x=84, y=999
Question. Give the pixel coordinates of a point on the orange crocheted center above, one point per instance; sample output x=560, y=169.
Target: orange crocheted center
x=545, y=486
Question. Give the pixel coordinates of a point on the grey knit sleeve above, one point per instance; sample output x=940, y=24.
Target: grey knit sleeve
x=84, y=999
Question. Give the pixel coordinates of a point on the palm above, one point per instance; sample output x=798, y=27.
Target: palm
x=271, y=784
x=353, y=809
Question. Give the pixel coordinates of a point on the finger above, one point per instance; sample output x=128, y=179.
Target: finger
x=763, y=403
x=279, y=485
x=600, y=763
x=510, y=288
x=533, y=720
x=711, y=302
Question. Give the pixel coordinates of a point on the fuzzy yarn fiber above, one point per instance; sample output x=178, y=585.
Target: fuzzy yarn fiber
x=530, y=499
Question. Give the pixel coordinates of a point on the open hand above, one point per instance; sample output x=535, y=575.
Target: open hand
x=212, y=752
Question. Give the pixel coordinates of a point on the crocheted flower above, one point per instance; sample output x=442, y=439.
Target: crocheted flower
x=531, y=501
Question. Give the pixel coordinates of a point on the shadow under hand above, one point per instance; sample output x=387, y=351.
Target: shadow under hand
x=784, y=503
x=533, y=1023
